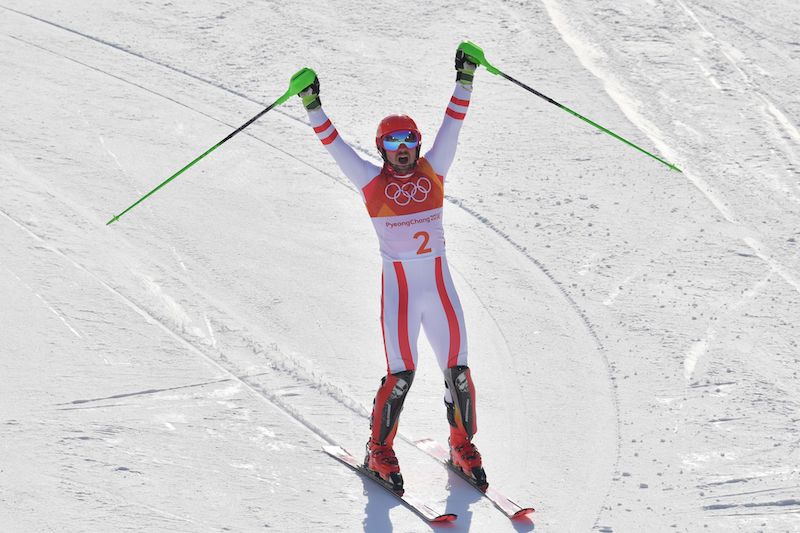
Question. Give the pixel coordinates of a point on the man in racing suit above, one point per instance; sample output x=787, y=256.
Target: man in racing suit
x=404, y=198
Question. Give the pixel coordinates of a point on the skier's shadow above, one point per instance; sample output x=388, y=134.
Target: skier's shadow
x=376, y=513
x=379, y=504
x=462, y=496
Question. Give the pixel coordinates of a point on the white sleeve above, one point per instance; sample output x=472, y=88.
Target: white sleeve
x=443, y=151
x=358, y=170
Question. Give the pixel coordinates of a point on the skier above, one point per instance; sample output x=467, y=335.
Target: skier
x=404, y=199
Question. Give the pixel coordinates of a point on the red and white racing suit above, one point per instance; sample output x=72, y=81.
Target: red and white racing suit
x=406, y=212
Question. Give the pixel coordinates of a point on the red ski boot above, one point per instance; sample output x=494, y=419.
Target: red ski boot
x=466, y=457
x=382, y=462
x=380, y=459
x=461, y=416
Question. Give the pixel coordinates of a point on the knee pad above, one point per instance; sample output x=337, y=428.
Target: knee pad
x=388, y=404
x=459, y=382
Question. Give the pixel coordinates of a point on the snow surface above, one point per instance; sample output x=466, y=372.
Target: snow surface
x=633, y=331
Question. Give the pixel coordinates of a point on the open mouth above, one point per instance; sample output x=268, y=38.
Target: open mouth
x=403, y=159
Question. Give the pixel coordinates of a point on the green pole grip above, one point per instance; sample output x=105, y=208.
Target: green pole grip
x=301, y=79
x=476, y=52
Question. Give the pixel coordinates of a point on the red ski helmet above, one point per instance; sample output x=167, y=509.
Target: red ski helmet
x=395, y=123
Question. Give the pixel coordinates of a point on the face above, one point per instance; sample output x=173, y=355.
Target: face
x=404, y=158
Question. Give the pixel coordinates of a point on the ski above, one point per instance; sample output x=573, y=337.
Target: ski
x=508, y=507
x=414, y=503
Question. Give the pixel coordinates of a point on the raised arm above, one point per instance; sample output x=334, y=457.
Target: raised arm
x=443, y=151
x=358, y=170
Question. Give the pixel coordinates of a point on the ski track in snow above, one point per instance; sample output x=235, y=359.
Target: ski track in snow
x=269, y=398
x=179, y=318
x=46, y=303
x=171, y=99
x=210, y=330
x=772, y=114
x=628, y=105
x=728, y=51
x=700, y=347
x=145, y=392
x=118, y=501
x=161, y=64
x=778, y=138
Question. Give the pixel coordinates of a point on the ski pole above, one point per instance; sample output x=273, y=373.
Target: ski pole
x=301, y=79
x=474, y=51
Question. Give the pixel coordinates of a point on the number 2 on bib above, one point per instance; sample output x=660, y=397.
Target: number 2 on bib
x=423, y=247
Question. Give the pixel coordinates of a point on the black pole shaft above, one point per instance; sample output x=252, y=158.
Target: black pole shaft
x=243, y=126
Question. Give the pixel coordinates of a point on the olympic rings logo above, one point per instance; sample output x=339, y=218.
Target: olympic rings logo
x=405, y=193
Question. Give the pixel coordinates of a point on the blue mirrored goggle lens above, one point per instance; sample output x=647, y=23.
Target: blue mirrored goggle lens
x=392, y=141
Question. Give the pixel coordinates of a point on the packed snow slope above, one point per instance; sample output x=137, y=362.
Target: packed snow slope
x=633, y=330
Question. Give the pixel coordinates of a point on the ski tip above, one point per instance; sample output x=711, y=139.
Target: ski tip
x=523, y=512
x=332, y=449
x=448, y=517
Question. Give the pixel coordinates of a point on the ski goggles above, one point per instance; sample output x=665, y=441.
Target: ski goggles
x=392, y=141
